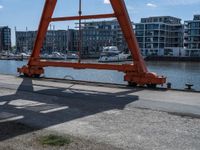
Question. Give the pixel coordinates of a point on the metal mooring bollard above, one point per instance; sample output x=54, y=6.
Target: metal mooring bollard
x=169, y=85
x=189, y=86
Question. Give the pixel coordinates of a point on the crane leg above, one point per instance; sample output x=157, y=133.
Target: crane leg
x=140, y=74
x=36, y=71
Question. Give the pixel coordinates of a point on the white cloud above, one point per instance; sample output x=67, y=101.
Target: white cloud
x=1, y=6
x=106, y=1
x=151, y=5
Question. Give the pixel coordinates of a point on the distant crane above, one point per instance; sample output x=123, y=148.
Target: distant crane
x=135, y=73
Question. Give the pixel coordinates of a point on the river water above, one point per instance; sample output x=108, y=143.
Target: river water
x=178, y=73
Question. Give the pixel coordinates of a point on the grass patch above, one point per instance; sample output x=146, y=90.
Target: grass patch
x=54, y=140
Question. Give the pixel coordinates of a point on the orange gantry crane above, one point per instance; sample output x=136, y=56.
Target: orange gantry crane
x=135, y=74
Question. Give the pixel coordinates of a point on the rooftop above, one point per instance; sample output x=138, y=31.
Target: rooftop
x=163, y=19
x=196, y=17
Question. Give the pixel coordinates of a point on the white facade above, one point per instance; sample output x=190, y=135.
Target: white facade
x=160, y=36
x=192, y=37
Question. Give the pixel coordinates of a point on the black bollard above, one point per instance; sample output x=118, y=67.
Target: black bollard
x=189, y=86
x=169, y=85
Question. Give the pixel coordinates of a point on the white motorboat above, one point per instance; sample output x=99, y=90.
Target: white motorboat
x=72, y=56
x=56, y=55
x=112, y=54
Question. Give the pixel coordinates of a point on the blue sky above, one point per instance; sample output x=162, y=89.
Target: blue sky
x=26, y=13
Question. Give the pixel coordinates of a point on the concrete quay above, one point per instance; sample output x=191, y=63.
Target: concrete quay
x=124, y=117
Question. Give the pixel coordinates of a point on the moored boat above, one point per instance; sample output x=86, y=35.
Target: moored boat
x=113, y=54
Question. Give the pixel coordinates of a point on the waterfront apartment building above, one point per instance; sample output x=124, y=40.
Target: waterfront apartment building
x=5, y=38
x=192, y=37
x=25, y=40
x=55, y=40
x=96, y=35
x=160, y=36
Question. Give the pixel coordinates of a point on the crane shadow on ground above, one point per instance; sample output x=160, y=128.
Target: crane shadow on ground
x=44, y=106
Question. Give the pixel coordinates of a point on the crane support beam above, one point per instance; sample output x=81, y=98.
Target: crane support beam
x=128, y=69
x=83, y=17
x=121, y=68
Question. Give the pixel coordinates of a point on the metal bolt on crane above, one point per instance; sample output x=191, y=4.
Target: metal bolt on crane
x=135, y=73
